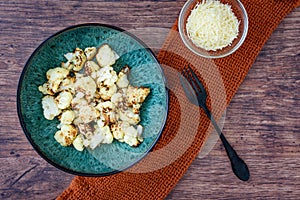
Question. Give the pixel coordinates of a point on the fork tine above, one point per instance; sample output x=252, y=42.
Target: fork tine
x=188, y=90
x=187, y=75
x=187, y=85
x=197, y=80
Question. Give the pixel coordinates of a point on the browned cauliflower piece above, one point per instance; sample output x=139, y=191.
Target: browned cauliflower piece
x=91, y=69
x=64, y=99
x=106, y=56
x=90, y=52
x=123, y=81
x=129, y=116
x=67, y=84
x=101, y=135
x=50, y=107
x=55, y=76
x=86, y=114
x=67, y=117
x=87, y=86
x=75, y=60
x=78, y=143
x=106, y=92
x=133, y=135
x=66, y=135
x=136, y=96
x=124, y=132
x=106, y=76
x=45, y=89
x=107, y=110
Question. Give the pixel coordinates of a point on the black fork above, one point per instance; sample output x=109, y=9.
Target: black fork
x=197, y=95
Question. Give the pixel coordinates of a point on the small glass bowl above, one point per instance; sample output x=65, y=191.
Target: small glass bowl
x=239, y=11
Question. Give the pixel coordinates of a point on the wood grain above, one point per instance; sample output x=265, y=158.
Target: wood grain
x=262, y=121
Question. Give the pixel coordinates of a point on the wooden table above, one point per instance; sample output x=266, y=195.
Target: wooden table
x=262, y=121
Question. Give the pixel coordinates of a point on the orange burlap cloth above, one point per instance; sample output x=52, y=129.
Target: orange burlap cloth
x=156, y=180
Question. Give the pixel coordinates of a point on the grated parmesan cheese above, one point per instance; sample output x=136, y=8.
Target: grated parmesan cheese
x=212, y=25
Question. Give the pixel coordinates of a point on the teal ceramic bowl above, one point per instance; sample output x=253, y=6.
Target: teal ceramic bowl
x=106, y=159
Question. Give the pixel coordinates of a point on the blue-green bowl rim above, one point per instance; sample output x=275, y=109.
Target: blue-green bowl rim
x=23, y=125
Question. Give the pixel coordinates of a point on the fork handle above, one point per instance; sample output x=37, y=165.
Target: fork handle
x=239, y=167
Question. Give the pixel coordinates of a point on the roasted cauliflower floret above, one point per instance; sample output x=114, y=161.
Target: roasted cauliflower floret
x=119, y=99
x=87, y=86
x=106, y=56
x=67, y=117
x=116, y=98
x=101, y=121
x=102, y=135
x=75, y=60
x=129, y=116
x=57, y=73
x=67, y=84
x=124, y=132
x=79, y=100
x=106, y=106
x=64, y=99
x=91, y=69
x=133, y=136
x=117, y=130
x=66, y=135
x=122, y=81
x=50, y=107
x=107, y=110
x=136, y=96
x=85, y=129
x=105, y=131
x=106, y=92
x=86, y=114
x=55, y=77
x=106, y=76
x=45, y=89
x=90, y=52
x=78, y=143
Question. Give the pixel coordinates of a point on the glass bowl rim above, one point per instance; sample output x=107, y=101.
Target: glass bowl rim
x=183, y=35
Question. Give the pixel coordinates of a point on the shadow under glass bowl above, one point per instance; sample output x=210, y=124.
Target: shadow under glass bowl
x=239, y=11
x=145, y=71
